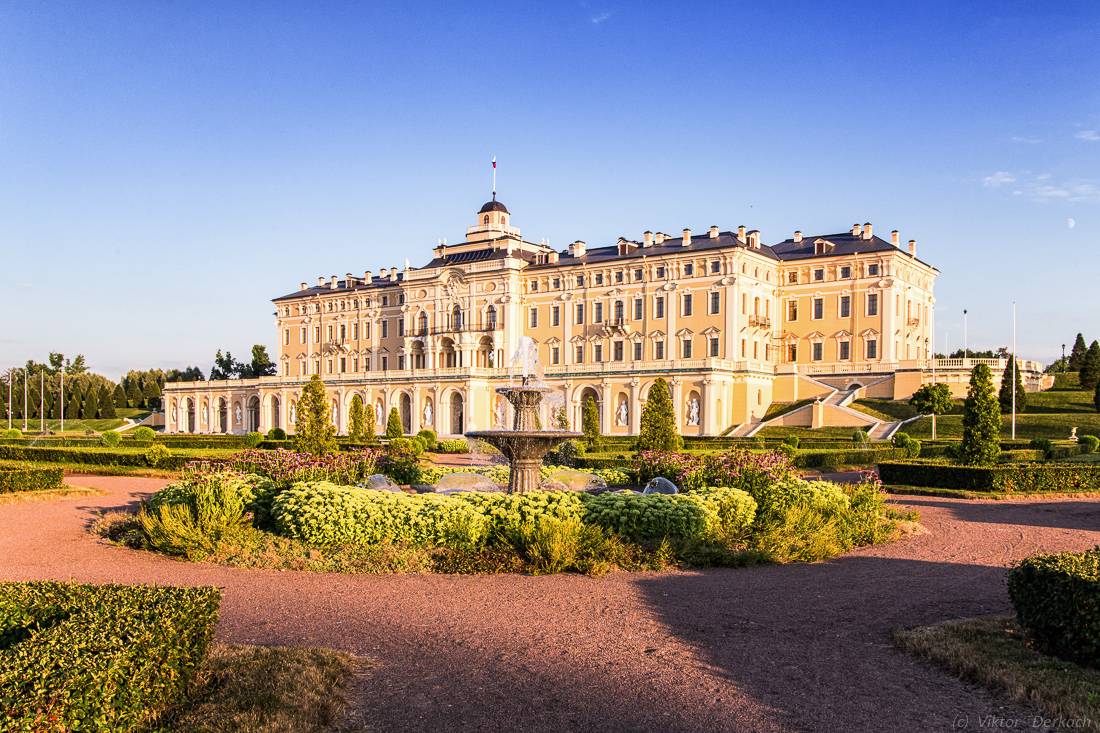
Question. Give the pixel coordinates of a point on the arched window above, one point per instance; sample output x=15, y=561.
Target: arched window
x=618, y=311
x=422, y=324
x=486, y=220
x=456, y=318
x=491, y=317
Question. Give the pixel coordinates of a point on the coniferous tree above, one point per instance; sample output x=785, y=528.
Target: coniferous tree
x=658, y=429
x=106, y=403
x=357, y=429
x=91, y=406
x=118, y=397
x=590, y=422
x=72, y=401
x=1077, y=355
x=313, y=430
x=981, y=420
x=133, y=394
x=1005, y=395
x=369, y=420
x=1096, y=397
x=150, y=394
x=394, y=428
x=1090, y=367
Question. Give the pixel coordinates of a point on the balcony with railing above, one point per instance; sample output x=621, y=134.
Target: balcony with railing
x=759, y=321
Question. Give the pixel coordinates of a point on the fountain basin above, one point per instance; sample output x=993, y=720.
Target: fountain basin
x=524, y=450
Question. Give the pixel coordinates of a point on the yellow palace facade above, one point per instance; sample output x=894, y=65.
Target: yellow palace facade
x=731, y=323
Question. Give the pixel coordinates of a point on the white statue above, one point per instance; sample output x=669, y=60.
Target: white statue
x=428, y=414
x=500, y=413
x=237, y=412
x=526, y=359
x=293, y=413
x=1073, y=434
x=334, y=413
x=175, y=414
x=693, y=411
x=379, y=412
x=623, y=414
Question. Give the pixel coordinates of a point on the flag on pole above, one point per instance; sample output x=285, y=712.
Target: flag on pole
x=494, y=178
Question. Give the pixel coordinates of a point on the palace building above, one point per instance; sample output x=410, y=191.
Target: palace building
x=733, y=324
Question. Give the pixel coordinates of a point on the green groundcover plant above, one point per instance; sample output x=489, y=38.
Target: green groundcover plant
x=1057, y=600
x=98, y=658
x=28, y=478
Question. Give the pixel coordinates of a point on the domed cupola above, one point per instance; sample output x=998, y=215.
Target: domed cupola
x=494, y=205
x=492, y=222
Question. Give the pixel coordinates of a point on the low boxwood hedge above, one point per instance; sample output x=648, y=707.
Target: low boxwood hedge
x=1057, y=599
x=30, y=479
x=98, y=457
x=98, y=658
x=1004, y=477
x=829, y=460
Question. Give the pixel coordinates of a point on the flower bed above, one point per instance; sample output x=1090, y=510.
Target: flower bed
x=1057, y=599
x=1004, y=477
x=30, y=479
x=112, y=657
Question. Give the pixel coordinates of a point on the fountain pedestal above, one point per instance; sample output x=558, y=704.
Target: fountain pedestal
x=524, y=445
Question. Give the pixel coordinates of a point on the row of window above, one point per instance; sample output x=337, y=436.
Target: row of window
x=844, y=350
x=844, y=307
x=619, y=276
x=844, y=272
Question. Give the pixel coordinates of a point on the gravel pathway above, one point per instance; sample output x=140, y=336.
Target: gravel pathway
x=802, y=647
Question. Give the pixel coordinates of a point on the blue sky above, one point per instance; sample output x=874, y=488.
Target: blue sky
x=166, y=168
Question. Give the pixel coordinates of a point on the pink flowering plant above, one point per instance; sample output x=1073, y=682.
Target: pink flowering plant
x=285, y=467
x=736, y=468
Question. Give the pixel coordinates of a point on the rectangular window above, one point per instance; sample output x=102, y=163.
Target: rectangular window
x=660, y=271
x=355, y=331
x=658, y=349
x=401, y=299
x=286, y=368
x=637, y=351
x=819, y=274
x=557, y=283
x=302, y=334
x=638, y=309
x=328, y=332
x=872, y=304
x=619, y=276
x=637, y=274
x=597, y=353
x=792, y=278
x=715, y=302
x=818, y=351
x=400, y=326
x=845, y=351
x=343, y=332
x=534, y=286
x=286, y=337
x=685, y=348
x=580, y=281
x=555, y=316
x=819, y=308
x=555, y=354
x=872, y=270
x=385, y=329
x=659, y=307
x=689, y=268
x=355, y=363
x=343, y=364
x=580, y=355
x=872, y=349
x=845, y=306
x=792, y=352
x=316, y=366
x=385, y=363
x=580, y=313
x=533, y=318
x=597, y=313
x=599, y=278
x=845, y=272
x=686, y=311
x=400, y=361
x=713, y=346
x=715, y=267
x=385, y=300
x=617, y=350
x=366, y=330
x=792, y=310
x=317, y=334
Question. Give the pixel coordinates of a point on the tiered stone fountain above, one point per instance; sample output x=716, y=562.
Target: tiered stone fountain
x=525, y=444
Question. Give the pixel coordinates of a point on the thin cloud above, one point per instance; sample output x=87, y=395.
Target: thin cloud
x=1025, y=140
x=998, y=179
x=1091, y=136
x=600, y=18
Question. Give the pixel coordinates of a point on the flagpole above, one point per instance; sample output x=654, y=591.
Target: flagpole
x=1014, y=370
x=42, y=400
x=933, y=324
x=9, y=398
x=62, y=399
x=494, y=178
x=25, y=400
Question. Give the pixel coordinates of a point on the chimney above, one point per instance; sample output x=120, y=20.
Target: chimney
x=741, y=233
x=367, y=276
x=913, y=247
x=305, y=286
x=552, y=258
x=797, y=236
x=393, y=274
x=754, y=239
x=659, y=238
x=647, y=238
x=713, y=232
x=687, y=237
x=867, y=230
x=577, y=249
x=855, y=229
x=332, y=282
x=895, y=238
x=384, y=273
x=349, y=279
x=320, y=281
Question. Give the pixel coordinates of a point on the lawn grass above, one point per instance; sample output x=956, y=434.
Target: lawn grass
x=886, y=410
x=995, y=495
x=18, y=497
x=266, y=690
x=96, y=469
x=776, y=409
x=993, y=652
x=783, y=431
x=1059, y=402
x=1028, y=426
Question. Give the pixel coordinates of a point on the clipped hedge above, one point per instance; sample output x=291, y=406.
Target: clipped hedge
x=1057, y=599
x=1005, y=477
x=98, y=658
x=94, y=457
x=829, y=460
x=30, y=479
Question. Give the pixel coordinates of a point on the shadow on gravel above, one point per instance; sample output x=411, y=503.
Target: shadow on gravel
x=813, y=641
x=1069, y=514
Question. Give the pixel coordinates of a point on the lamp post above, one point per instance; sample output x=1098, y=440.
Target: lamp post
x=1014, y=370
x=1063, y=358
x=25, y=393
x=966, y=350
x=62, y=399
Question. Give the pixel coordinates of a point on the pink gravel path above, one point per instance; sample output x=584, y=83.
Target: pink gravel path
x=802, y=647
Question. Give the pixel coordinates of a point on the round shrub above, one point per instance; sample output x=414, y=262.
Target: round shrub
x=1089, y=443
x=111, y=439
x=429, y=437
x=729, y=512
x=1057, y=600
x=1043, y=444
x=454, y=445
x=276, y=434
x=156, y=453
x=913, y=448
x=647, y=517
x=143, y=433
x=11, y=434
x=510, y=515
x=792, y=441
x=901, y=440
x=565, y=454
x=253, y=439
x=402, y=460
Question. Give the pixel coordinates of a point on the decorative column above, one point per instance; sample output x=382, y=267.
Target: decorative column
x=706, y=399
x=635, y=407
x=678, y=402
x=416, y=410
x=606, y=408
